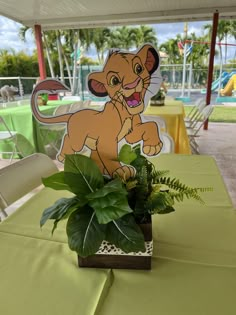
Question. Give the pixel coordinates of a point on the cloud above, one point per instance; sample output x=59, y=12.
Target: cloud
x=9, y=37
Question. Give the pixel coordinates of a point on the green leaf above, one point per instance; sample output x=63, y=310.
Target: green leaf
x=167, y=209
x=59, y=209
x=159, y=202
x=110, y=207
x=126, y=154
x=110, y=201
x=85, y=234
x=125, y=234
x=82, y=174
x=56, y=181
x=113, y=186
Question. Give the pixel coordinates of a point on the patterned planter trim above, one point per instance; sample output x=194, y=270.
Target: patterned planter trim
x=110, y=249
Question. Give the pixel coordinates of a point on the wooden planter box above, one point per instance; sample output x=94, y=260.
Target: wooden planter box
x=109, y=256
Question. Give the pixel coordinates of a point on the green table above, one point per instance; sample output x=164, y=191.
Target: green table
x=20, y=119
x=193, y=265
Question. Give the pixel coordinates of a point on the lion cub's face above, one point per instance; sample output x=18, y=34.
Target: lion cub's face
x=127, y=81
x=126, y=77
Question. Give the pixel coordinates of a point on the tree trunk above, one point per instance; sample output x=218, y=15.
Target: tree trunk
x=75, y=72
x=60, y=57
x=48, y=56
x=68, y=70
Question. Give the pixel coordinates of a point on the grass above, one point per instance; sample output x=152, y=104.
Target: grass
x=221, y=113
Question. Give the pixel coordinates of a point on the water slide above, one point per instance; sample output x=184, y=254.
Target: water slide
x=223, y=79
x=230, y=86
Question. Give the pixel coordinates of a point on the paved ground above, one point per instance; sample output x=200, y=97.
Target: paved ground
x=219, y=142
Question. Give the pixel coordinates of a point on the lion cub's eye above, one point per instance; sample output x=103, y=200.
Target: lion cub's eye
x=138, y=68
x=114, y=81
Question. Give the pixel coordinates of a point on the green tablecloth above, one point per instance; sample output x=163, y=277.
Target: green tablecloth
x=193, y=265
x=20, y=119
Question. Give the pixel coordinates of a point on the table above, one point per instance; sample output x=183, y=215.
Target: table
x=173, y=114
x=193, y=265
x=20, y=119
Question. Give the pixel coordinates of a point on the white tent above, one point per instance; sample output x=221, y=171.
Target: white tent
x=58, y=14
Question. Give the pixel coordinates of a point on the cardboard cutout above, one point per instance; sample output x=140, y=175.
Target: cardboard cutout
x=129, y=79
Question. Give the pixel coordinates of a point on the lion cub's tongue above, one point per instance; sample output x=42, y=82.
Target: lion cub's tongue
x=133, y=100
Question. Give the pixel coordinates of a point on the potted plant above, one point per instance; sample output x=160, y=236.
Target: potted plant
x=109, y=216
x=43, y=99
x=159, y=98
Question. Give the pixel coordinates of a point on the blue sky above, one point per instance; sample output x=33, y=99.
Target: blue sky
x=9, y=34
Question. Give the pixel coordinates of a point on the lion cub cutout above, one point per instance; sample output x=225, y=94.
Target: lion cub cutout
x=129, y=79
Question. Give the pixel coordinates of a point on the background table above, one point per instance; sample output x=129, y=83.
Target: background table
x=20, y=119
x=173, y=114
x=193, y=265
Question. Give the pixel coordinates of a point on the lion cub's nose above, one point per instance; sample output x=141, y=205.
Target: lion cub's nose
x=132, y=85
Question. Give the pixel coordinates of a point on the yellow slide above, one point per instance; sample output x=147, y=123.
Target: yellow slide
x=230, y=86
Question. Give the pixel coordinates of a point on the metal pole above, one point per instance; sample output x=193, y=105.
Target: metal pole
x=211, y=61
x=39, y=44
x=190, y=78
x=184, y=71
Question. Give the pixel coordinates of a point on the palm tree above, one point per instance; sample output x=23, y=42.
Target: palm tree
x=76, y=40
x=101, y=39
x=123, y=37
x=171, y=48
x=144, y=34
x=22, y=35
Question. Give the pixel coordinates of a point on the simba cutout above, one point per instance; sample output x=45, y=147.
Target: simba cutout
x=129, y=79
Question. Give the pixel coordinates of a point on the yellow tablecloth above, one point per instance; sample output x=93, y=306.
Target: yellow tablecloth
x=193, y=265
x=173, y=114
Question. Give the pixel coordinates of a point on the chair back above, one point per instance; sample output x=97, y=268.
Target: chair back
x=21, y=177
x=168, y=143
x=71, y=98
x=62, y=109
x=6, y=133
x=204, y=115
x=76, y=106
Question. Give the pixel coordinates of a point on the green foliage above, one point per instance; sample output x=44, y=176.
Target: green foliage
x=221, y=113
x=109, y=209
x=151, y=191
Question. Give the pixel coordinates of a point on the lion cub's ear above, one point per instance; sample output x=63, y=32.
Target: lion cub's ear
x=149, y=57
x=96, y=84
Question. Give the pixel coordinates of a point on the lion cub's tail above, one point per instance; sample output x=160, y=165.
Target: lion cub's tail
x=49, y=86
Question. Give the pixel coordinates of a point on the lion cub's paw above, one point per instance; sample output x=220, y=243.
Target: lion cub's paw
x=60, y=158
x=152, y=149
x=124, y=172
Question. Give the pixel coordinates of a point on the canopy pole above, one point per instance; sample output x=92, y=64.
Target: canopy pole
x=211, y=61
x=39, y=44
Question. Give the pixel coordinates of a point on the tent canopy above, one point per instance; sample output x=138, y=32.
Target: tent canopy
x=59, y=14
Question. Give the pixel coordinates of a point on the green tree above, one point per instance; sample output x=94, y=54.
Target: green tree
x=144, y=34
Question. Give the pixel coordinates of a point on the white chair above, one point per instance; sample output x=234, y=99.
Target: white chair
x=71, y=98
x=168, y=143
x=9, y=138
x=193, y=132
x=79, y=105
x=21, y=177
x=54, y=133
x=195, y=113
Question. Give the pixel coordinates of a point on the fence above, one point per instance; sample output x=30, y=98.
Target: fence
x=195, y=80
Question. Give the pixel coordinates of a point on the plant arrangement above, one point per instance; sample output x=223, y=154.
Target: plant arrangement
x=104, y=208
x=159, y=98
